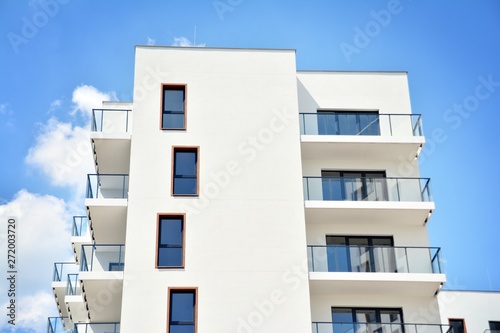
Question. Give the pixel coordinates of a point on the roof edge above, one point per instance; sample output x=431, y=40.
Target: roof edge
x=346, y=71
x=215, y=48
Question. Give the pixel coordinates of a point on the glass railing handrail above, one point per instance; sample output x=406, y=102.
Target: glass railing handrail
x=378, y=246
x=56, y=325
x=350, y=326
x=72, y=284
x=102, y=124
x=79, y=225
x=348, y=188
x=108, y=174
x=118, y=259
x=362, y=123
x=371, y=178
x=362, y=112
x=59, y=270
x=371, y=259
x=107, y=186
x=110, y=327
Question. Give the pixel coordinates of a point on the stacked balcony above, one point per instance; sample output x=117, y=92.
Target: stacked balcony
x=349, y=159
x=88, y=291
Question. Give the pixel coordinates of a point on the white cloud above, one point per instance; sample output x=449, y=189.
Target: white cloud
x=151, y=41
x=4, y=109
x=86, y=98
x=33, y=312
x=55, y=105
x=183, y=41
x=63, y=153
x=43, y=237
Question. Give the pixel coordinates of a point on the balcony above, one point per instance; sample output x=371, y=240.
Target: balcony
x=63, y=272
x=110, y=138
x=74, y=302
x=107, y=207
x=374, y=269
x=79, y=235
x=101, y=280
x=60, y=325
x=368, y=199
x=361, y=134
x=349, y=327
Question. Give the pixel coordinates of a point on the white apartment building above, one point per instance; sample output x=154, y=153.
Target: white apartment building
x=237, y=194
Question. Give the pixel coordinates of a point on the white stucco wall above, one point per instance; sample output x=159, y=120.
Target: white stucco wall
x=246, y=230
x=475, y=307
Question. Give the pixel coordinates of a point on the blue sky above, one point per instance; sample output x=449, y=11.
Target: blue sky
x=60, y=57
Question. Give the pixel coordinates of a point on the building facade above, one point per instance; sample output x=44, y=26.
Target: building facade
x=237, y=194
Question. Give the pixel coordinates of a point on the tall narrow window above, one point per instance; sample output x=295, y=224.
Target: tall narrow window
x=185, y=171
x=457, y=326
x=174, y=107
x=170, y=242
x=182, y=311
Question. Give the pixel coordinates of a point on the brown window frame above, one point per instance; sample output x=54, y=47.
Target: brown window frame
x=167, y=215
x=187, y=148
x=162, y=93
x=193, y=289
x=461, y=319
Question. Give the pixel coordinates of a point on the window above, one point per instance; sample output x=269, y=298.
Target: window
x=348, y=122
x=182, y=311
x=361, y=254
x=494, y=326
x=185, y=171
x=457, y=326
x=170, y=241
x=116, y=266
x=354, y=185
x=173, y=107
x=367, y=320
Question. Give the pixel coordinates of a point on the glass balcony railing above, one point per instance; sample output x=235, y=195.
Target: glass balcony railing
x=111, y=121
x=350, y=327
x=57, y=325
x=73, y=286
x=79, y=225
x=367, y=189
x=104, y=257
x=61, y=270
x=388, y=259
x=360, y=124
x=98, y=328
x=107, y=186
